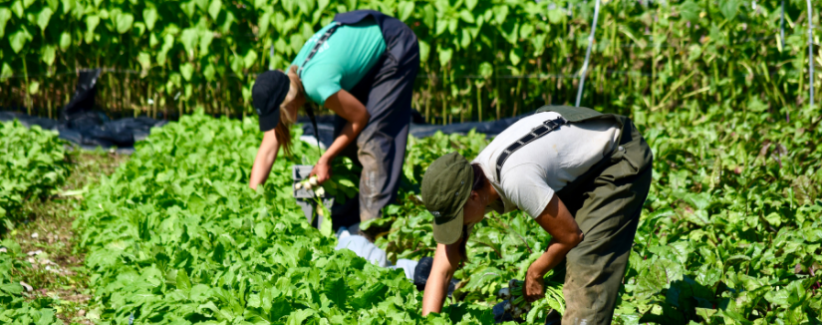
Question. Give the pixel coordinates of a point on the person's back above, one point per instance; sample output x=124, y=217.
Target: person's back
x=531, y=176
x=342, y=60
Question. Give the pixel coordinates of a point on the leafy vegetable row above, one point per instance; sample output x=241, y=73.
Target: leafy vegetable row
x=32, y=164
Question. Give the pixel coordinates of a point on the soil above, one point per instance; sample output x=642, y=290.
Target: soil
x=49, y=240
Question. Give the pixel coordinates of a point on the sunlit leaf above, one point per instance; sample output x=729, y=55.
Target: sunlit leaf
x=124, y=23
x=43, y=18
x=18, y=39
x=214, y=8
x=150, y=16
x=5, y=15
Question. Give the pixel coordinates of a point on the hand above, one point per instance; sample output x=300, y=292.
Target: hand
x=322, y=170
x=534, y=286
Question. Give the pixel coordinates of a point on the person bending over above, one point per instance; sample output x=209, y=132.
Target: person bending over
x=583, y=177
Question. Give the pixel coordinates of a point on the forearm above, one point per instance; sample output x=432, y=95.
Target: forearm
x=266, y=155
x=347, y=135
x=434, y=295
x=446, y=259
x=550, y=258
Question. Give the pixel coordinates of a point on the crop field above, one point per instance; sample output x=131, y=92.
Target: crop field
x=730, y=234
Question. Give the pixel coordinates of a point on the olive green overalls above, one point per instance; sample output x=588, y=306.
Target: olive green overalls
x=606, y=203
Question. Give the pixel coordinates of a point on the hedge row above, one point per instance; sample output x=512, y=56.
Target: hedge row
x=480, y=59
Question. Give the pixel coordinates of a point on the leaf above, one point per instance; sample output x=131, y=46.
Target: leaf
x=445, y=55
x=18, y=40
x=689, y=10
x=214, y=8
x=729, y=9
x=168, y=43
x=206, y=37
x=150, y=17
x=189, y=39
x=34, y=87
x=48, y=55
x=264, y=21
x=465, y=41
x=145, y=60
x=405, y=9
x=183, y=282
x=229, y=20
x=466, y=16
x=209, y=72
x=65, y=41
x=471, y=4
x=6, y=71
x=237, y=64
x=5, y=16
x=187, y=70
x=250, y=58
x=500, y=14
x=515, y=55
x=425, y=49
x=43, y=18
x=124, y=22
x=17, y=8
x=486, y=69
x=91, y=25
x=555, y=15
x=67, y=5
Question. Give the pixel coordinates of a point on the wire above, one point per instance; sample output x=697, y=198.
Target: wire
x=588, y=53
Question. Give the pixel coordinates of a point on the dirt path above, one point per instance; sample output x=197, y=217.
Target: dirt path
x=50, y=242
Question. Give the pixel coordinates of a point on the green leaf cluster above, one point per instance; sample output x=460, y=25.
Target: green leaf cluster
x=32, y=164
x=175, y=236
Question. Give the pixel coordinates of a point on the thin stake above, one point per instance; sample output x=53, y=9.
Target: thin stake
x=782, y=24
x=810, y=47
x=588, y=54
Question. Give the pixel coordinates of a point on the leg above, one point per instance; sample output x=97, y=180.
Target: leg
x=608, y=217
x=381, y=155
x=382, y=143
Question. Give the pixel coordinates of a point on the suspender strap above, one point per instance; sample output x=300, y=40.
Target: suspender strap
x=536, y=133
x=317, y=46
x=308, y=110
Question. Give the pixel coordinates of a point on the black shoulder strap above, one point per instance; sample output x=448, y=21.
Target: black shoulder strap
x=308, y=110
x=536, y=133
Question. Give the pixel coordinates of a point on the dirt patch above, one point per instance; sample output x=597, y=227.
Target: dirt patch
x=47, y=237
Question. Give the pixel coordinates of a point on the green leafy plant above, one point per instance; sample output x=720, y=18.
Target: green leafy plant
x=31, y=166
x=479, y=59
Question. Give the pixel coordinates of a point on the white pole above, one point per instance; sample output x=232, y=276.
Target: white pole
x=588, y=54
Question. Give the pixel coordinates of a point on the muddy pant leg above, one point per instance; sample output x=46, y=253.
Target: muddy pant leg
x=608, y=216
x=381, y=156
x=381, y=146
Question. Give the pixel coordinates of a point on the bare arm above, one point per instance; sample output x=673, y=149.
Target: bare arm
x=565, y=235
x=352, y=110
x=266, y=155
x=446, y=261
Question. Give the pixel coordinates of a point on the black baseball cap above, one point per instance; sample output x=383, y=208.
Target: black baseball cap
x=446, y=187
x=267, y=95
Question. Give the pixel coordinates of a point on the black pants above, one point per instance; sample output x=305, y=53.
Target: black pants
x=380, y=148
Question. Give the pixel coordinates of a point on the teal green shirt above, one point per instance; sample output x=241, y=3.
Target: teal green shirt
x=342, y=60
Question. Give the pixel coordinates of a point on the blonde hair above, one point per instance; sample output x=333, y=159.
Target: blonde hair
x=283, y=128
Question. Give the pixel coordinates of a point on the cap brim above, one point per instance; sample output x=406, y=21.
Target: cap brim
x=451, y=231
x=269, y=122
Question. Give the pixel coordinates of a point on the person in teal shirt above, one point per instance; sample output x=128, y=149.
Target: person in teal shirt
x=362, y=66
